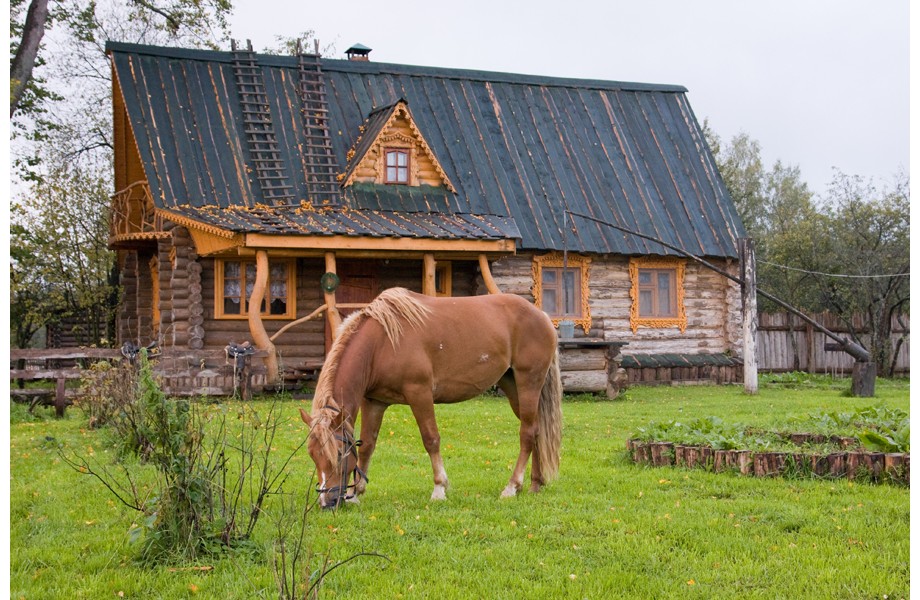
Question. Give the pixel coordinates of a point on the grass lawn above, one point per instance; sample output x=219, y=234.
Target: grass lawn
x=605, y=529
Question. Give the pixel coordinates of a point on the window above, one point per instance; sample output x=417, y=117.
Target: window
x=561, y=288
x=235, y=280
x=397, y=166
x=657, y=293
x=561, y=299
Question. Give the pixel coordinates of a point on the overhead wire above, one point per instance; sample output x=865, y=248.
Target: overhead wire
x=842, y=275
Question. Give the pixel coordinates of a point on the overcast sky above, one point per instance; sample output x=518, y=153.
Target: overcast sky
x=820, y=84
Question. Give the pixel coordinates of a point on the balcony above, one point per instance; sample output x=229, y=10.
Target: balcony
x=134, y=216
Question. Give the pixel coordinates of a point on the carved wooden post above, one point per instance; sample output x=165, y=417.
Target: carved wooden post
x=332, y=313
x=749, y=313
x=256, y=327
x=429, y=284
x=487, y=275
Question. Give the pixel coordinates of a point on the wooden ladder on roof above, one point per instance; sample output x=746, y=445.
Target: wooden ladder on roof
x=320, y=163
x=261, y=139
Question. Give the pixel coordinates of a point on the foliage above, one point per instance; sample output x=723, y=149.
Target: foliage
x=210, y=487
x=60, y=264
x=305, y=42
x=107, y=398
x=189, y=22
x=878, y=428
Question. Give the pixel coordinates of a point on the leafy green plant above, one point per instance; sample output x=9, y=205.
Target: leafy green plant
x=210, y=486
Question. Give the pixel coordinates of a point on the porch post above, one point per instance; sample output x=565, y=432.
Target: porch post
x=332, y=313
x=429, y=285
x=256, y=327
x=487, y=275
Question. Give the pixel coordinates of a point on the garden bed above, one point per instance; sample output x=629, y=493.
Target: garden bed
x=893, y=467
x=871, y=445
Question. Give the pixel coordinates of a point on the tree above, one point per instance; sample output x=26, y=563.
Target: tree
x=194, y=21
x=867, y=237
x=32, y=32
x=60, y=262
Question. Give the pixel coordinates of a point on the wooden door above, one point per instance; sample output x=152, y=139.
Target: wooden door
x=357, y=284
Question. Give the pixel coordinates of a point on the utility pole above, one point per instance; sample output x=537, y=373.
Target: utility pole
x=748, y=313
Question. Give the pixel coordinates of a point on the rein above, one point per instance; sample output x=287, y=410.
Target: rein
x=350, y=446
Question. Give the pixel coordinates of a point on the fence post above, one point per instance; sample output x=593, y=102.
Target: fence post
x=749, y=313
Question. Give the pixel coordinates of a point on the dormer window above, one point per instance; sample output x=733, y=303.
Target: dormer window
x=397, y=165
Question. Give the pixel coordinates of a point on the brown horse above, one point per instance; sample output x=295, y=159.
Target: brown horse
x=406, y=348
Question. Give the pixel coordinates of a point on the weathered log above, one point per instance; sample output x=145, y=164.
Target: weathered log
x=837, y=464
x=582, y=359
x=584, y=381
x=863, y=383
x=769, y=464
x=894, y=466
x=745, y=462
x=662, y=454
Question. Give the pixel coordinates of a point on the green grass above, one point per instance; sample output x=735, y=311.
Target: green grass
x=606, y=528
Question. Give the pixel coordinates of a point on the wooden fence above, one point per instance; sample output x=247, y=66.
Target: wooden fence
x=787, y=343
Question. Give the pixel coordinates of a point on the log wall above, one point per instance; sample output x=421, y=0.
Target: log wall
x=713, y=306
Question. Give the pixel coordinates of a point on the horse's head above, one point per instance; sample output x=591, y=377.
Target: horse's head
x=334, y=451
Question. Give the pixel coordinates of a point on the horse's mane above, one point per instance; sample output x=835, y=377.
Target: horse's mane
x=392, y=309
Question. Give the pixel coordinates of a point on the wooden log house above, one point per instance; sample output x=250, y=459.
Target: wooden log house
x=263, y=197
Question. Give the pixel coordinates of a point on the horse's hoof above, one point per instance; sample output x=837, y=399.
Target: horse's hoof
x=509, y=492
x=535, y=487
x=439, y=493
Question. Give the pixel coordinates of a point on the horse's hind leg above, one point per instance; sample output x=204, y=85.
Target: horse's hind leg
x=527, y=412
x=509, y=387
x=424, y=416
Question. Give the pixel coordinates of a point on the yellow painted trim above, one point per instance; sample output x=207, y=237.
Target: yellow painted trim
x=341, y=242
x=635, y=320
x=189, y=223
x=555, y=259
x=207, y=244
x=219, y=289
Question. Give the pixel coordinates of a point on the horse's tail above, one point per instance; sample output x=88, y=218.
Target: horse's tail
x=549, y=440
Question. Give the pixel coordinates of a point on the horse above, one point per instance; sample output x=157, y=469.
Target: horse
x=407, y=348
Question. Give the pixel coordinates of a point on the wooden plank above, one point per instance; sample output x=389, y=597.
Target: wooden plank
x=36, y=374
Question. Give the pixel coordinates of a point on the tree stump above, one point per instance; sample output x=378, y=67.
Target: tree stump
x=863, y=385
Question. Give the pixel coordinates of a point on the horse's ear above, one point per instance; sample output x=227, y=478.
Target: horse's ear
x=306, y=418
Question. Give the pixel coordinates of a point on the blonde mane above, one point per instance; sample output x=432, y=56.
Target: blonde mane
x=392, y=309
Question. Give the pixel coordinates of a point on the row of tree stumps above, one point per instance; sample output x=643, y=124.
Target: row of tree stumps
x=850, y=462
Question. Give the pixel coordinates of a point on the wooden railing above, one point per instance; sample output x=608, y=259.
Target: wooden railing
x=134, y=214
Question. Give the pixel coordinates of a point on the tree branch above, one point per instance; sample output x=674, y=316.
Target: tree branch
x=24, y=61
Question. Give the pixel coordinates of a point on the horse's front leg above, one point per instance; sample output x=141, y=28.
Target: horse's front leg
x=371, y=418
x=423, y=410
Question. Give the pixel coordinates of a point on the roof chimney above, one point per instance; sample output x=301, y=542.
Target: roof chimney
x=358, y=52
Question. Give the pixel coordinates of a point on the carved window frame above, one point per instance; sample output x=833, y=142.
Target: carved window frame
x=579, y=263
x=290, y=282
x=636, y=320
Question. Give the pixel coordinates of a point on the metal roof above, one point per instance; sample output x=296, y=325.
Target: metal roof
x=518, y=146
x=327, y=221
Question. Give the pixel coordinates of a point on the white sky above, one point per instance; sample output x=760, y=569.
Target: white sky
x=819, y=84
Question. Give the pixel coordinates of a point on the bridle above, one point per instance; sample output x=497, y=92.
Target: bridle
x=350, y=446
